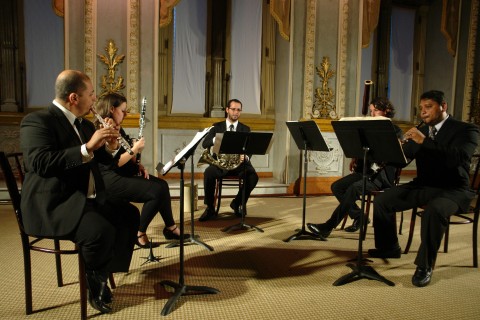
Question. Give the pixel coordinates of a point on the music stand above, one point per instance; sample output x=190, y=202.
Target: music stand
x=307, y=136
x=372, y=139
x=193, y=239
x=180, y=287
x=234, y=142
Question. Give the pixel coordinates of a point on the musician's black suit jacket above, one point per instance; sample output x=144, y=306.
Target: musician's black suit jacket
x=221, y=127
x=56, y=180
x=445, y=162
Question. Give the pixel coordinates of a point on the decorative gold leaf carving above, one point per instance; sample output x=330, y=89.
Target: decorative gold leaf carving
x=110, y=83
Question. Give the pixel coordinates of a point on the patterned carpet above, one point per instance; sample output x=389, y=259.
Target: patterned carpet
x=259, y=276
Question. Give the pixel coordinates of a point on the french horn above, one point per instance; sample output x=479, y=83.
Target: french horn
x=223, y=161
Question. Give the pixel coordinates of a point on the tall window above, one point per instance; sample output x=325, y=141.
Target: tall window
x=212, y=53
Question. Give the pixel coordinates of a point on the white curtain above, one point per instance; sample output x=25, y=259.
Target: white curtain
x=189, y=57
x=401, y=61
x=246, y=53
x=44, y=51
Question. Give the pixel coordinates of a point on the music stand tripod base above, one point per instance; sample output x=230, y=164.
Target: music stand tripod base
x=242, y=226
x=361, y=272
x=190, y=240
x=304, y=235
x=151, y=257
x=182, y=290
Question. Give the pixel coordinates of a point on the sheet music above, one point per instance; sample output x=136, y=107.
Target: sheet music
x=198, y=136
x=365, y=118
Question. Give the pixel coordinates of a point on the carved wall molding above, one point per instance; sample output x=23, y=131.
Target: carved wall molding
x=309, y=74
x=90, y=39
x=469, y=101
x=342, y=57
x=10, y=141
x=133, y=49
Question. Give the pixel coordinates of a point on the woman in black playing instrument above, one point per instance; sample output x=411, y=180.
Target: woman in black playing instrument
x=130, y=180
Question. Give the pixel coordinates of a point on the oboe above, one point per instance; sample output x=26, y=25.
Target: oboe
x=120, y=139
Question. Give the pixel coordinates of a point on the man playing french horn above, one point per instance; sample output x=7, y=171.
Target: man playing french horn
x=215, y=169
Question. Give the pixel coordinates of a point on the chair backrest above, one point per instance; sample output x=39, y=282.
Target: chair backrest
x=11, y=181
x=398, y=173
x=473, y=181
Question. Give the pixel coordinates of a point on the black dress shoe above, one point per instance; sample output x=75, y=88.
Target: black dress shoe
x=170, y=235
x=393, y=253
x=355, y=225
x=320, y=229
x=237, y=209
x=98, y=291
x=208, y=214
x=422, y=276
x=147, y=244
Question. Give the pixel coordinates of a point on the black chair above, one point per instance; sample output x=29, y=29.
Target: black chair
x=32, y=243
x=225, y=181
x=471, y=216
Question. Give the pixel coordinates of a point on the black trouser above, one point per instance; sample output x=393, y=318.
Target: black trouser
x=106, y=235
x=348, y=190
x=212, y=173
x=433, y=223
x=153, y=192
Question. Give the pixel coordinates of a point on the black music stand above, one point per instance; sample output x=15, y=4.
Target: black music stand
x=307, y=136
x=234, y=142
x=180, y=287
x=193, y=239
x=371, y=140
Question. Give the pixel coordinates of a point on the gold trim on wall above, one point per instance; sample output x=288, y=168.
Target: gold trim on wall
x=342, y=57
x=309, y=73
x=90, y=39
x=133, y=49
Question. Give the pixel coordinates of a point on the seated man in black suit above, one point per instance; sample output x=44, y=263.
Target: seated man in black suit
x=233, y=110
x=442, y=151
x=63, y=195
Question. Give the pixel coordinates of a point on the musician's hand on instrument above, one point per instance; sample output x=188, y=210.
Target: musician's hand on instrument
x=415, y=135
x=102, y=136
x=242, y=157
x=139, y=145
x=143, y=171
x=353, y=164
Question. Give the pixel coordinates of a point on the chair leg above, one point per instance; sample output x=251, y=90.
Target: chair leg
x=27, y=267
x=475, y=239
x=83, y=287
x=218, y=195
x=412, y=228
x=344, y=222
x=367, y=214
x=112, y=281
x=401, y=224
x=447, y=236
x=58, y=263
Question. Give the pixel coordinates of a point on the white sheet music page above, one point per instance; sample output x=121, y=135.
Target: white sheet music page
x=198, y=136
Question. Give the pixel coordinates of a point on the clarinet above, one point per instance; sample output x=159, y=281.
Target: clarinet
x=141, y=125
x=120, y=139
x=417, y=126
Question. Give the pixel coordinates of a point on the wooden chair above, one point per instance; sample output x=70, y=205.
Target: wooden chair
x=224, y=181
x=31, y=243
x=471, y=216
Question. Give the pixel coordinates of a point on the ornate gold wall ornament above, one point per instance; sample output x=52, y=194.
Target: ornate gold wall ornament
x=324, y=105
x=109, y=83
